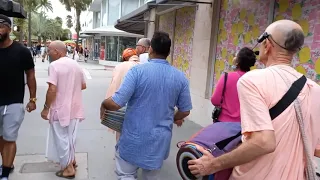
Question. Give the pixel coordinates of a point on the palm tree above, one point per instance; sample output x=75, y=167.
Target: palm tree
x=79, y=6
x=69, y=21
x=33, y=6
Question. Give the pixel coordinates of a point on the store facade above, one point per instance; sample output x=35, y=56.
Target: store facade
x=241, y=23
x=206, y=35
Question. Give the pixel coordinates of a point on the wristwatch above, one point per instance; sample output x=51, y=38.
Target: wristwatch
x=33, y=100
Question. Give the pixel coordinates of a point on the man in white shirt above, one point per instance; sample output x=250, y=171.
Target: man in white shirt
x=142, y=49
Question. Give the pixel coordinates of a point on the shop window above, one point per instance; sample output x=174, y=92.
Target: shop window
x=127, y=6
x=113, y=11
x=305, y=13
x=102, y=47
x=111, y=48
x=98, y=19
x=142, y=2
x=126, y=42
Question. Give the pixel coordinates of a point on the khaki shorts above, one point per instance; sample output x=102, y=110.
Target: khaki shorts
x=11, y=117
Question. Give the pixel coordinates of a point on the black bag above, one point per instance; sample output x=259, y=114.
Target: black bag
x=217, y=109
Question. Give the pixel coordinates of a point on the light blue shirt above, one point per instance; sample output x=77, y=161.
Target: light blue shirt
x=151, y=91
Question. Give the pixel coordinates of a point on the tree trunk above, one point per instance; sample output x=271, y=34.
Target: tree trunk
x=29, y=29
x=78, y=13
x=21, y=35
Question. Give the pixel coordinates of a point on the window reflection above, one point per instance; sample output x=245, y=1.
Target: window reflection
x=128, y=6
x=111, y=48
x=126, y=42
x=113, y=11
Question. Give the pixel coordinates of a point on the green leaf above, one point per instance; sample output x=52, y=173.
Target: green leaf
x=310, y=61
x=318, y=77
x=309, y=34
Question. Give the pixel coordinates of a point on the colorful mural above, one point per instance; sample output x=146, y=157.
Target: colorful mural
x=240, y=25
x=182, y=53
x=306, y=13
x=166, y=24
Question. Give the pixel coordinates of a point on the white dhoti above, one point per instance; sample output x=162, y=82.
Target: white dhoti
x=61, y=143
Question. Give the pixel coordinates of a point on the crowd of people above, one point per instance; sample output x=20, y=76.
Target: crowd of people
x=157, y=95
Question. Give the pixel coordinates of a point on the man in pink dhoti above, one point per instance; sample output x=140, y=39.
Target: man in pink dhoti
x=130, y=59
x=63, y=108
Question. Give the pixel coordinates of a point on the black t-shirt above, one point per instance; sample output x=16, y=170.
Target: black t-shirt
x=14, y=61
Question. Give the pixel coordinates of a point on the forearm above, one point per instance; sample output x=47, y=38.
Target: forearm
x=32, y=85
x=180, y=115
x=109, y=104
x=50, y=97
x=245, y=153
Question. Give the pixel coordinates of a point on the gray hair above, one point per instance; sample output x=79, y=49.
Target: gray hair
x=145, y=42
x=294, y=40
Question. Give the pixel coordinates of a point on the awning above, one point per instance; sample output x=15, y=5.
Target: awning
x=108, y=31
x=12, y=9
x=134, y=22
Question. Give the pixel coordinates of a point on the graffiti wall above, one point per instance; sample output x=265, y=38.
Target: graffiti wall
x=306, y=13
x=182, y=53
x=166, y=24
x=240, y=25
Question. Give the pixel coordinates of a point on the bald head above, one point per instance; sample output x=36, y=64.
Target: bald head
x=59, y=46
x=287, y=34
x=57, y=50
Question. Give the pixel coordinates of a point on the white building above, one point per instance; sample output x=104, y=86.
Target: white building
x=99, y=35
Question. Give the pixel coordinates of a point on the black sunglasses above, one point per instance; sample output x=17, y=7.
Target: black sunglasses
x=268, y=36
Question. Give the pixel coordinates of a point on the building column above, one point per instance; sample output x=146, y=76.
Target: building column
x=151, y=23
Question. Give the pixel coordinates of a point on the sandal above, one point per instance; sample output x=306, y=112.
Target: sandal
x=60, y=174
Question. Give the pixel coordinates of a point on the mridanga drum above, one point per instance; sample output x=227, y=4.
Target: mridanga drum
x=217, y=138
x=114, y=119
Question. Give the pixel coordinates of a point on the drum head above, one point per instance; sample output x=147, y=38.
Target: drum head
x=186, y=153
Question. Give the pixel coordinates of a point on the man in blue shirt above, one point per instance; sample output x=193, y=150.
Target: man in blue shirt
x=151, y=92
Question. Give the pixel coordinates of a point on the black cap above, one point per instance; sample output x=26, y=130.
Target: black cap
x=5, y=20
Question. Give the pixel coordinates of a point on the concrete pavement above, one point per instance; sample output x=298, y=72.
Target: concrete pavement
x=95, y=144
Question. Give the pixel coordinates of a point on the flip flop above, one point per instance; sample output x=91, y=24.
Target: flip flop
x=60, y=174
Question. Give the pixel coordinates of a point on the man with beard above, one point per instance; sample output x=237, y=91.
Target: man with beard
x=15, y=61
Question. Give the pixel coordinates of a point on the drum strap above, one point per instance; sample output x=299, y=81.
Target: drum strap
x=276, y=110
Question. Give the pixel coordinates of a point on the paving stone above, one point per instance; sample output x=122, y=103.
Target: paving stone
x=35, y=167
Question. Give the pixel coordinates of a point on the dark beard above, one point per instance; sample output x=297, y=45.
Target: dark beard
x=4, y=37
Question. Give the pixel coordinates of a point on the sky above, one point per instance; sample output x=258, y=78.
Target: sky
x=60, y=10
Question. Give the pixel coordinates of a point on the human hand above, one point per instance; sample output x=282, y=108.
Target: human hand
x=31, y=106
x=102, y=112
x=45, y=113
x=204, y=165
x=179, y=122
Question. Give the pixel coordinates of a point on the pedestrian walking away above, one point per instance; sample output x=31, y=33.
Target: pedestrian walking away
x=151, y=92
x=281, y=147
x=16, y=62
x=63, y=108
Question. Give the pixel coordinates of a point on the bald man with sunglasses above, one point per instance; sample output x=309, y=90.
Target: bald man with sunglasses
x=272, y=149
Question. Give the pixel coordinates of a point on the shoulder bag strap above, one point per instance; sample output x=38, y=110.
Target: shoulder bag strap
x=224, y=87
x=310, y=169
x=276, y=110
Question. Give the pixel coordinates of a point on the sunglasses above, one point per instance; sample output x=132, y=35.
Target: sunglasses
x=268, y=36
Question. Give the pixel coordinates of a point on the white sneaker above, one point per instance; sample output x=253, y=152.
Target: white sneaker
x=4, y=178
